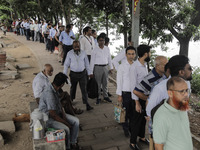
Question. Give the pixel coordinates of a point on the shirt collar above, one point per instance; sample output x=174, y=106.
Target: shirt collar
x=155, y=73
x=169, y=107
x=44, y=75
x=52, y=88
x=139, y=63
x=126, y=61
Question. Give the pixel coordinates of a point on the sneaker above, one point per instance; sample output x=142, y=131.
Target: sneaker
x=98, y=101
x=107, y=99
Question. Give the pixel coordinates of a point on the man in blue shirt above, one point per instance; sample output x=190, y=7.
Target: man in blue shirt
x=66, y=39
x=58, y=119
x=78, y=62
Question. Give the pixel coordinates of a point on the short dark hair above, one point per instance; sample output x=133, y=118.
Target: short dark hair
x=171, y=82
x=99, y=37
x=68, y=26
x=103, y=35
x=130, y=47
x=166, y=66
x=60, y=79
x=87, y=28
x=142, y=49
x=93, y=31
x=107, y=40
x=177, y=63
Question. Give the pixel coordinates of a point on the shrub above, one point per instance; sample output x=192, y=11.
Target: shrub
x=195, y=83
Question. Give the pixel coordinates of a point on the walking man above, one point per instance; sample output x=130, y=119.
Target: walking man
x=100, y=61
x=52, y=38
x=78, y=62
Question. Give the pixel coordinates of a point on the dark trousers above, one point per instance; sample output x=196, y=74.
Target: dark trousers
x=28, y=34
x=32, y=35
x=137, y=121
x=75, y=78
x=126, y=96
x=52, y=45
x=66, y=49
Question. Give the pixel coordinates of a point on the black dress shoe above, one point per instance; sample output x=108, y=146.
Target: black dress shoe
x=89, y=107
x=146, y=141
x=134, y=147
x=107, y=99
x=109, y=95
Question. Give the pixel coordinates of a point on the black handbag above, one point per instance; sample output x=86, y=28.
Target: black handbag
x=92, y=88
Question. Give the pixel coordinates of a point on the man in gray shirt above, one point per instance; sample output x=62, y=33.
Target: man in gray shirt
x=58, y=119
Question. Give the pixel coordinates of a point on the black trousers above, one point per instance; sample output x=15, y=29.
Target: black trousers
x=137, y=121
x=32, y=35
x=81, y=78
x=52, y=45
x=66, y=49
x=28, y=33
x=126, y=96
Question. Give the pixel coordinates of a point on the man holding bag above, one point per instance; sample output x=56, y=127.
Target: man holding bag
x=123, y=84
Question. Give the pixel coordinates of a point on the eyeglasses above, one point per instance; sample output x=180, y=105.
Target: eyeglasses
x=182, y=92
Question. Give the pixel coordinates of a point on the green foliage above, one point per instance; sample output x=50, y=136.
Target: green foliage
x=195, y=83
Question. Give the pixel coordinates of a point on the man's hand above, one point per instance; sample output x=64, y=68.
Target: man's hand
x=138, y=107
x=110, y=71
x=91, y=76
x=120, y=100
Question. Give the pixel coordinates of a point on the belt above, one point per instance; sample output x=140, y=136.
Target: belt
x=103, y=65
x=77, y=72
x=126, y=92
x=67, y=45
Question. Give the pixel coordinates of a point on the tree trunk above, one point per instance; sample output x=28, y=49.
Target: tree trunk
x=63, y=10
x=125, y=23
x=107, y=24
x=68, y=20
x=184, y=46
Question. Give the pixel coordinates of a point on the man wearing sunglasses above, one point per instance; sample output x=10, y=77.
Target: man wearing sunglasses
x=171, y=130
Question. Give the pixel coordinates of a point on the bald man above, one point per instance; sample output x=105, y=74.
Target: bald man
x=41, y=80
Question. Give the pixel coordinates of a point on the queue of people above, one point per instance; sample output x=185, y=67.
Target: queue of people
x=159, y=97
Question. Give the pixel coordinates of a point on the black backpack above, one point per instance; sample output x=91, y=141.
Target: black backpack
x=153, y=111
x=92, y=88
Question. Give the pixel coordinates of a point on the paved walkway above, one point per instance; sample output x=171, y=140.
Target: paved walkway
x=100, y=131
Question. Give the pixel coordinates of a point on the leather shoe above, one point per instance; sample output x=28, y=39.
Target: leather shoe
x=107, y=99
x=146, y=141
x=89, y=107
x=134, y=147
x=98, y=101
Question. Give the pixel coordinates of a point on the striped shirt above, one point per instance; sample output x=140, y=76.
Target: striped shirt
x=149, y=81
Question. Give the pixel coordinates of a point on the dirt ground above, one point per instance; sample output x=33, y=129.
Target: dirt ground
x=15, y=96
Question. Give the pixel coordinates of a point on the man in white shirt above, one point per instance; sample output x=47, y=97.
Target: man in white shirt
x=100, y=60
x=36, y=31
x=137, y=119
x=78, y=62
x=32, y=30
x=87, y=42
x=123, y=85
x=41, y=81
x=22, y=28
x=121, y=56
x=178, y=66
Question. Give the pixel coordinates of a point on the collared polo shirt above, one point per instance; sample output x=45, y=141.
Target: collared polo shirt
x=49, y=100
x=171, y=128
x=39, y=84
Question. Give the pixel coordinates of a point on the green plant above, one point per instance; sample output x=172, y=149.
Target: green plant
x=195, y=83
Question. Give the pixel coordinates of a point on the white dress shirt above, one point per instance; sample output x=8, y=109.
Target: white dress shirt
x=44, y=29
x=100, y=57
x=120, y=57
x=39, y=84
x=123, y=78
x=137, y=73
x=158, y=94
x=31, y=26
x=87, y=44
x=36, y=27
x=77, y=63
